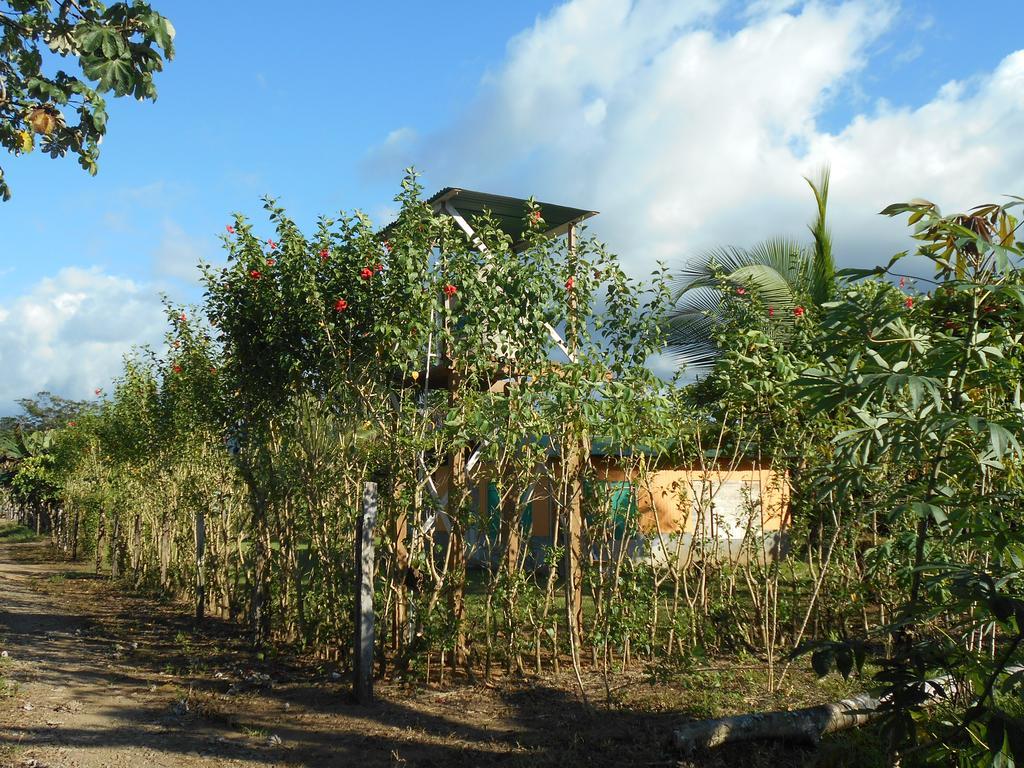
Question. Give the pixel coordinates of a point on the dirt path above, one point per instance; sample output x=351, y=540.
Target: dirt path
x=94, y=677
x=74, y=699
x=98, y=678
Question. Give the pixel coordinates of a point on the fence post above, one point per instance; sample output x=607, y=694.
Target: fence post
x=200, y=565
x=362, y=684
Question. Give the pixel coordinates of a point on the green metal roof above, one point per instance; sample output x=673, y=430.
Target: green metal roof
x=508, y=211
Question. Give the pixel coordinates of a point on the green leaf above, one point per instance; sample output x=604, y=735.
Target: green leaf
x=115, y=75
x=844, y=661
x=923, y=509
x=90, y=36
x=821, y=661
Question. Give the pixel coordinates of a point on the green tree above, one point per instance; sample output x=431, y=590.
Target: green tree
x=933, y=385
x=43, y=412
x=117, y=48
x=784, y=274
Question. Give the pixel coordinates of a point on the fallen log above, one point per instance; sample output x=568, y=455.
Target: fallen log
x=803, y=725
x=799, y=725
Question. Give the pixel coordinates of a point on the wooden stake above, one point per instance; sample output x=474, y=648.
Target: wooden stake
x=362, y=684
x=200, y=565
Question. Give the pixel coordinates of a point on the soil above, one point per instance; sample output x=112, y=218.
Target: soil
x=98, y=677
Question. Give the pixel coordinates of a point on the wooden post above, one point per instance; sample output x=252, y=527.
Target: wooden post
x=574, y=547
x=362, y=683
x=399, y=580
x=512, y=533
x=455, y=568
x=115, y=560
x=200, y=565
x=577, y=453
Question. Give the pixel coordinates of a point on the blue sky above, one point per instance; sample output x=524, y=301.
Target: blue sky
x=686, y=123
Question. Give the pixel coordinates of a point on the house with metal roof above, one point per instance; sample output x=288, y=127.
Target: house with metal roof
x=680, y=512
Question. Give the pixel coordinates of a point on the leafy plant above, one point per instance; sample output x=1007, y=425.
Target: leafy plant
x=117, y=49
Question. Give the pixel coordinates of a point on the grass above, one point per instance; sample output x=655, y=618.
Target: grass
x=8, y=688
x=13, y=532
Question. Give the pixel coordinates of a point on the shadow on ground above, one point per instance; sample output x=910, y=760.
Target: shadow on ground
x=120, y=679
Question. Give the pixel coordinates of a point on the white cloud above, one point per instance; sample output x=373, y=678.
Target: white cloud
x=178, y=254
x=69, y=333
x=686, y=137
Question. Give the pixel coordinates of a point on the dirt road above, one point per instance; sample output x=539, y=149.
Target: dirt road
x=99, y=678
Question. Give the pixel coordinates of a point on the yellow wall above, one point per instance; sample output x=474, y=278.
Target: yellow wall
x=665, y=498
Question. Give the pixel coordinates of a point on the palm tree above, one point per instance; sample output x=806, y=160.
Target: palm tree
x=780, y=271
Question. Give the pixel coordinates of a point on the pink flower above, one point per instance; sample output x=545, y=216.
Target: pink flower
x=230, y=229
x=379, y=267
x=271, y=243
x=570, y=283
x=450, y=290
x=741, y=290
x=340, y=305
x=909, y=302
x=903, y=281
x=771, y=311
x=182, y=318
x=535, y=216
x=98, y=391
x=798, y=311
x=323, y=255
x=366, y=273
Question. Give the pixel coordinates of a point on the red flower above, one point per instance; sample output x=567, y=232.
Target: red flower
x=909, y=302
x=570, y=283
x=176, y=368
x=98, y=391
x=271, y=243
x=366, y=273
x=271, y=262
x=771, y=311
x=387, y=246
x=183, y=317
x=741, y=290
x=379, y=267
x=230, y=229
x=340, y=305
x=255, y=274
x=71, y=423
x=450, y=290
x=323, y=255
x=535, y=216
x=903, y=281
x=798, y=311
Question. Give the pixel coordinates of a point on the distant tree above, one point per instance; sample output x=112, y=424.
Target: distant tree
x=42, y=412
x=117, y=48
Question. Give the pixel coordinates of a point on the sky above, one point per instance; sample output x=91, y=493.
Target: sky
x=686, y=123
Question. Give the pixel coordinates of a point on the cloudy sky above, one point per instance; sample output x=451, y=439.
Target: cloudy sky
x=687, y=123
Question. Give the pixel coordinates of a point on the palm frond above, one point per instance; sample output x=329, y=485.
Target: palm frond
x=822, y=274
x=690, y=328
x=772, y=269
